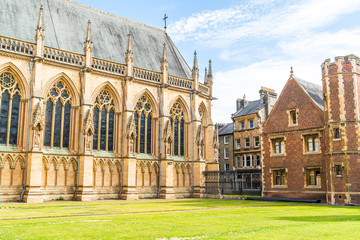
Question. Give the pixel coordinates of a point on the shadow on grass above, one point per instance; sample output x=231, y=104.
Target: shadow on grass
x=338, y=218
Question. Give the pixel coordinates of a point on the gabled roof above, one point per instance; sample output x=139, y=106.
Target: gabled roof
x=314, y=91
x=250, y=108
x=66, y=26
x=226, y=130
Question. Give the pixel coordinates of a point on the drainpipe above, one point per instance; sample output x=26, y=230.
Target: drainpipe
x=193, y=146
x=31, y=64
x=160, y=137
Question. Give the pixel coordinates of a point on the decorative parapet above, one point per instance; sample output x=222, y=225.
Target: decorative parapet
x=12, y=45
x=203, y=88
x=56, y=55
x=108, y=66
x=180, y=82
x=146, y=75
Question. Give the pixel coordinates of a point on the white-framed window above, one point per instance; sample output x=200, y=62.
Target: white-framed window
x=237, y=142
x=312, y=143
x=226, y=140
x=251, y=124
x=227, y=167
x=226, y=153
x=247, y=161
x=242, y=125
x=247, y=142
x=278, y=145
x=257, y=141
x=238, y=163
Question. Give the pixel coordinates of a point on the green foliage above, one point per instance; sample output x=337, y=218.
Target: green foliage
x=177, y=219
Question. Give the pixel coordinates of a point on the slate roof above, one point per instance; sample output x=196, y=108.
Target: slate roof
x=250, y=108
x=66, y=26
x=226, y=130
x=313, y=90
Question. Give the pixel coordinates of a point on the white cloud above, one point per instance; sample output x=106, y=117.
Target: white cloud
x=260, y=19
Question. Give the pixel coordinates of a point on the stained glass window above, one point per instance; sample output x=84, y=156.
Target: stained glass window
x=178, y=126
x=58, y=115
x=104, y=118
x=10, y=105
x=143, y=125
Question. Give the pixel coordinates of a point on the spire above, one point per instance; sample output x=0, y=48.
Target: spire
x=88, y=46
x=205, y=76
x=210, y=69
x=164, y=66
x=195, y=66
x=244, y=97
x=88, y=42
x=40, y=27
x=40, y=33
x=195, y=73
x=291, y=71
x=164, y=56
x=129, y=57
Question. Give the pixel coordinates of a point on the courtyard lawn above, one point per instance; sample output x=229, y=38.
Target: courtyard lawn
x=178, y=219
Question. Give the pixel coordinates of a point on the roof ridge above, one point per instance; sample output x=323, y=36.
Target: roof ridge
x=113, y=15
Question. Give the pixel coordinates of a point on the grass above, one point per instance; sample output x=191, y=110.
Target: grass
x=178, y=219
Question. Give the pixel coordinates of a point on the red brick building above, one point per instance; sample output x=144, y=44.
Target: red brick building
x=311, y=140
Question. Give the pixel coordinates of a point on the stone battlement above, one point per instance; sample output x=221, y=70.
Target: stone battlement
x=342, y=64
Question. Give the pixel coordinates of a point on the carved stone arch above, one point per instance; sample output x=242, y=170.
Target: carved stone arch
x=115, y=94
x=20, y=160
x=18, y=75
x=188, y=167
x=63, y=162
x=150, y=97
x=184, y=106
x=203, y=113
x=70, y=84
x=155, y=167
x=117, y=164
x=142, y=166
x=8, y=158
x=110, y=165
x=148, y=166
x=177, y=168
x=73, y=163
x=102, y=165
x=45, y=162
x=1, y=162
x=182, y=167
x=53, y=161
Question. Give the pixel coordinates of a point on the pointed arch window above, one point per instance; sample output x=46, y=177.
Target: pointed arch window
x=10, y=96
x=143, y=125
x=178, y=127
x=104, y=119
x=58, y=116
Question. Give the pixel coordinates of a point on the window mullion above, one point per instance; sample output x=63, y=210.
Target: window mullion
x=179, y=133
x=173, y=136
x=107, y=130
x=9, y=121
x=99, y=129
x=52, y=125
x=145, y=129
x=62, y=125
x=138, y=131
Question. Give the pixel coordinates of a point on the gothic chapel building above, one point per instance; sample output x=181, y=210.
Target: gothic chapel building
x=94, y=106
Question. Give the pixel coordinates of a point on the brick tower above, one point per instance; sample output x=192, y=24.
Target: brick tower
x=341, y=86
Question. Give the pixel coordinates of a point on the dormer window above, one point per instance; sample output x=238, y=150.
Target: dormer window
x=251, y=124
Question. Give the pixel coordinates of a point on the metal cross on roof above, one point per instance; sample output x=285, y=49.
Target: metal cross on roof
x=165, y=17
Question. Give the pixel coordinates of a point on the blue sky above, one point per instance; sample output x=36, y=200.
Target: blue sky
x=252, y=43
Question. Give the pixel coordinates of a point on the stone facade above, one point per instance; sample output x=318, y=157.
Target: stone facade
x=311, y=139
x=84, y=128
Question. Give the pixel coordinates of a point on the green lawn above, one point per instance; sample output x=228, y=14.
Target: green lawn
x=178, y=219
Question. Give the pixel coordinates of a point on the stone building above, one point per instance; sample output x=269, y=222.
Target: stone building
x=311, y=138
x=248, y=121
x=226, y=146
x=94, y=106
